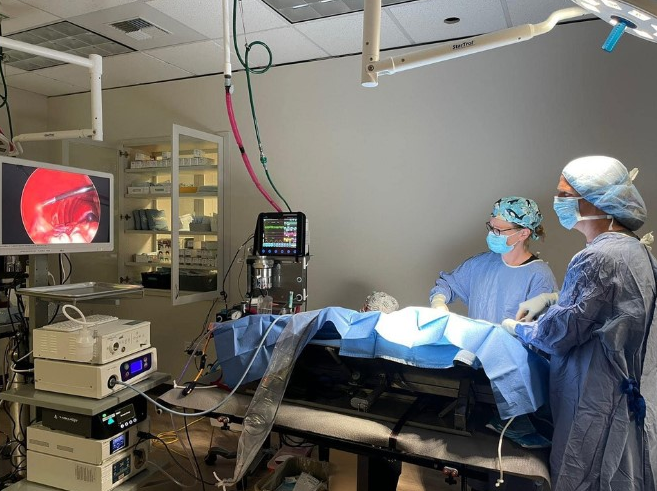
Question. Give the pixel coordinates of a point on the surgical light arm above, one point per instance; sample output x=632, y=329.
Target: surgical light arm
x=372, y=67
x=95, y=65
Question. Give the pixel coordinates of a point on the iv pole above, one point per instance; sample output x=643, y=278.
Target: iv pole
x=372, y=67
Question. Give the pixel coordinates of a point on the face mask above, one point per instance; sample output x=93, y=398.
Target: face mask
x=497, y=243
x=567, y=209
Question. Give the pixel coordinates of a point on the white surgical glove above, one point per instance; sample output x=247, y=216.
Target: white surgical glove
x=509, y=325
x=532, y=308
x=439, y=302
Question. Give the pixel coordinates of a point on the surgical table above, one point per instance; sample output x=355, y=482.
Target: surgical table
x=391, y=387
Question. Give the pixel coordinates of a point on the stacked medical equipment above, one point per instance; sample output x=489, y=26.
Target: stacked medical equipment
x=97, y=452
x=120, y=351
x=277, y=272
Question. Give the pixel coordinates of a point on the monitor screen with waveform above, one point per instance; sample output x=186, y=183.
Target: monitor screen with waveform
x=281, y=234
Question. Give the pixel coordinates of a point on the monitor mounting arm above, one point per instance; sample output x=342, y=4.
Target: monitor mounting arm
x=372, y=67
x=95, y=65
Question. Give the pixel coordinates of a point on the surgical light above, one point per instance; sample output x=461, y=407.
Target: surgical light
x=637, y=15
x=612, y=5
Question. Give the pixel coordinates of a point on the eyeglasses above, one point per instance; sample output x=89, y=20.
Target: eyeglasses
x=498, y=231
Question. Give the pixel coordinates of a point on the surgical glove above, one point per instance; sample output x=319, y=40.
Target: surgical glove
x=439, y=302
x=509, y=325
x=532, y=308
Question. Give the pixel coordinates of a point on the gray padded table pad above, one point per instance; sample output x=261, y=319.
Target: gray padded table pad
x=479, y=450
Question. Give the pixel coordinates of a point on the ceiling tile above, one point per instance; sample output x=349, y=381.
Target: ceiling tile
x=258, y=16
x=22, y=16
x=197, y=58
x=204, y=16
x=350, y=26
x=71, y=74
x=286, y=44
x=10, y=70
x=137, y=68
x=424, y=20
x=168, y=31
x=33, y=82
x=523, y=12
x=70, y=8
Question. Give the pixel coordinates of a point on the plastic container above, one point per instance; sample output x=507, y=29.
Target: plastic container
x=293, y=467
x=156, y=279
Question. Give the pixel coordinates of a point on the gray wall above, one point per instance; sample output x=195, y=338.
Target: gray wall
x=397, y=181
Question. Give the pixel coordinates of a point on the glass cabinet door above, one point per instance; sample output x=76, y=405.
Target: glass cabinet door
x=199, y=214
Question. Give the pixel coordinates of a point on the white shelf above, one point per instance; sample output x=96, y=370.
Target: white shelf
x=167, y=170
x=168, y=265
x=131, y=484
x=181, y=233
x=28, y=395
x=168, y=195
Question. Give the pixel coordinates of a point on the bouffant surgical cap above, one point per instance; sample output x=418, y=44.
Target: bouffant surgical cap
x=606, y=184
x=382, y=302
x=518, y=210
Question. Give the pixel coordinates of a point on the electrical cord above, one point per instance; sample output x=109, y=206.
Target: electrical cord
x=191, y=447
x=182, y=444
x=147, y=436
x=230, y=394
x=289, y=442
x=170, y=437
x=223, y=293
x=500, y=480
x=4, y=97
x=223, y=283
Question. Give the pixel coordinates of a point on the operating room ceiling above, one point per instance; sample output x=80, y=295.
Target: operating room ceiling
x=175, y=39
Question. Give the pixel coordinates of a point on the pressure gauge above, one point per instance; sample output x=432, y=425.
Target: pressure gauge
x=235, y=314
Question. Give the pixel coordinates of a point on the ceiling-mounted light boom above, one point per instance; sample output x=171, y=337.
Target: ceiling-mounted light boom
x=372, y=67
x=95, y=65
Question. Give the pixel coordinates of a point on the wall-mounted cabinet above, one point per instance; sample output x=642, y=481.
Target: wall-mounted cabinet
x=174, y=212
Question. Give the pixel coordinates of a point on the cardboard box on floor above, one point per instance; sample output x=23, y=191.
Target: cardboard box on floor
x=293, y=467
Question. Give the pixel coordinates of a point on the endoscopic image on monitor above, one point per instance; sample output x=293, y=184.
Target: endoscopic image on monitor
x=48, y=208
x=59, y=206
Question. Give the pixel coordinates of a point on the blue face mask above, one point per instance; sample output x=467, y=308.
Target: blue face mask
x=497, y=243
x=567, y=209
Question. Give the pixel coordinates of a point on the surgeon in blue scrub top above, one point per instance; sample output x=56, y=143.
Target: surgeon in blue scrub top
x=601, y=335
x=493, y=284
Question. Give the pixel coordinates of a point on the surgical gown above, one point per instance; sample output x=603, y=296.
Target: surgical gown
x=491, y=289
x=601, y=333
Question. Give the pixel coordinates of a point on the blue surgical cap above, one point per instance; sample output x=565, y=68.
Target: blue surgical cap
x=518, y=210
x=606, y=184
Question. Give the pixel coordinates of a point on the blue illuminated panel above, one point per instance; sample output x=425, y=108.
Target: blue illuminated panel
x=135, y=366
x=118, y=443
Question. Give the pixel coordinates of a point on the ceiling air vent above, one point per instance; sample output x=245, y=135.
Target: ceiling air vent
x=139, y=29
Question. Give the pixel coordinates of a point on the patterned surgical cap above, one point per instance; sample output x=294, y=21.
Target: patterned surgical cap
x=518, y=210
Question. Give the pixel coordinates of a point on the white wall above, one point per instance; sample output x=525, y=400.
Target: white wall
x=29, y=114
x=397, y=181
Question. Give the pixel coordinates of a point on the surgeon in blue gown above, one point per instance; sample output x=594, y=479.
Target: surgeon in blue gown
x=601, y=335
x=494, y=283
